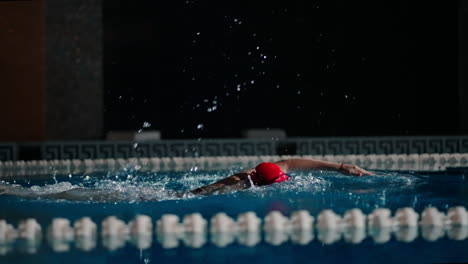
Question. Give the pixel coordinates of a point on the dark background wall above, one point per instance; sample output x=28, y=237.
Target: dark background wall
x=335, y=68
x=74, y=70
x=463, y=64
x=22, y=68
x=51, y=70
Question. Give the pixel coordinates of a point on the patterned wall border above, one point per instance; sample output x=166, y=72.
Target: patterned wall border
x=8, y=152
x=236, y=147
x=169, y=148
x=381, y=145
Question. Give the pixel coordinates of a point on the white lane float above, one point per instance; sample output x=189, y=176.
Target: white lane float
x=8, y=233
x=380, y=218
x=432, y=217
x=168, y=223
x=248, y=222
x=276, y=221
x=406, y=217
x=194, y=223
x=301, y=220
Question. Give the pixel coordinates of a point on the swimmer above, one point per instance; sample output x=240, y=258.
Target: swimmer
x=264, y=174
x=268, y=173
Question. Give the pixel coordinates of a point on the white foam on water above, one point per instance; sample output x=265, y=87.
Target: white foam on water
x=122, y=186
x=53, y=188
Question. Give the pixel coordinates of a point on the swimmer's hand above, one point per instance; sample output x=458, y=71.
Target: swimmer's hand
x=354, y=170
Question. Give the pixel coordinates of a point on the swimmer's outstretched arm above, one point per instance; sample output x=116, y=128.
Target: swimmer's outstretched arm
x=311, y=164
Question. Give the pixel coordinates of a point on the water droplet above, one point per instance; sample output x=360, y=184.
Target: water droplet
x=298, y=92
x=198, y=33
x=140, y=130
x=120, y=97
x=258, y=47
x=200, y=126
x=146, y=124
x=252, y=81
x=346, y=96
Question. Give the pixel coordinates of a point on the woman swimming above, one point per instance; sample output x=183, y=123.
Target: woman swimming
x=264, y=174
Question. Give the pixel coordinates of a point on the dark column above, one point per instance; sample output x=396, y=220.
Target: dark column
x=74, y=89
x=463, y=64
x=22, y=89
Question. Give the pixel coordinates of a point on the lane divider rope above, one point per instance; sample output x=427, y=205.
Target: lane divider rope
x=300, y=228
x=416, y=162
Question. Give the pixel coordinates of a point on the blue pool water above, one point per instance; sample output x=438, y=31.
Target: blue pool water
x=128, y=193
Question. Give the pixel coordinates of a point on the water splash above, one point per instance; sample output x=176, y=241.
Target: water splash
x=135, y=186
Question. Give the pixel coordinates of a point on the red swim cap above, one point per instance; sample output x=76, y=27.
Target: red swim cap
x=267, y=173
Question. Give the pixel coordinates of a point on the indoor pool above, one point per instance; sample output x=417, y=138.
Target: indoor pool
x=127, y=193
